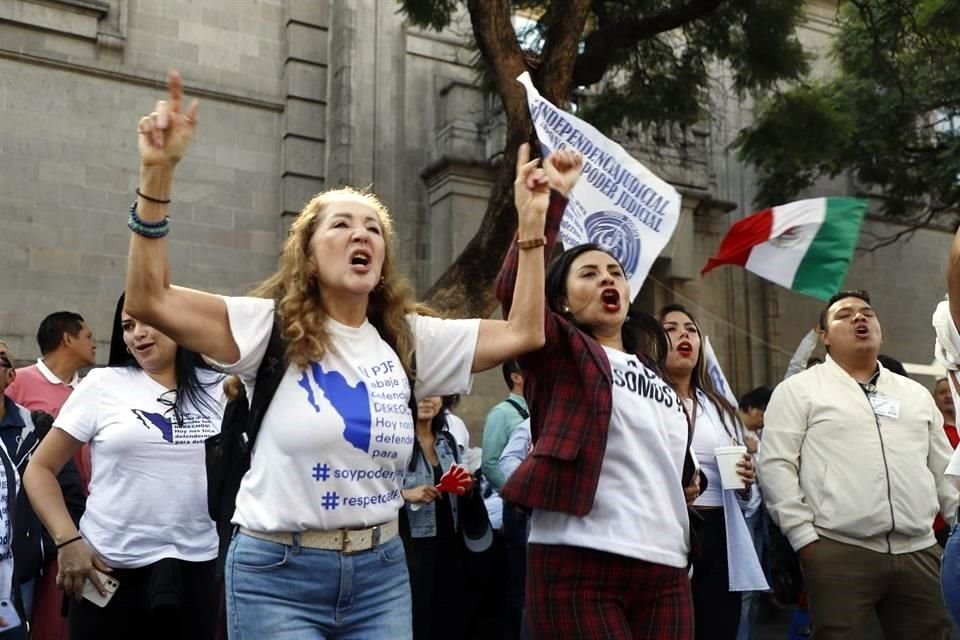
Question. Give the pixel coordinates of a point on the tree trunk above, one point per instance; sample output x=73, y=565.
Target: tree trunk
x=466, y=287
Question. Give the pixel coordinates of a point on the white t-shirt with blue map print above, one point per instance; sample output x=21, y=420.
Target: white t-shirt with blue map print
x=335, y=440
x=148, y=491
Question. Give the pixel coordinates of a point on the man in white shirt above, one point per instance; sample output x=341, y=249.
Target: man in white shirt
x=852, y=469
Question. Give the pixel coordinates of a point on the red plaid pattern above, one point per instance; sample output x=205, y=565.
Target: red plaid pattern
x=587, y=594
x=568, y=387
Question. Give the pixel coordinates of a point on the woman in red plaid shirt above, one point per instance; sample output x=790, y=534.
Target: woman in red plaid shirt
x=609, y=537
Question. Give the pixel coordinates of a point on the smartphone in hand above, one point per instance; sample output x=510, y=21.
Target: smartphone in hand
x=110, y=585
x=9, y=616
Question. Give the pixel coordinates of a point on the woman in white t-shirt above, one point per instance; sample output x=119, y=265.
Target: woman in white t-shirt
x=608, y=546
x=317, y=554
x=146, y=523
x=715, y=423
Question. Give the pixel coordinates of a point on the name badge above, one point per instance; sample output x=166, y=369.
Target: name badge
x=885, y=406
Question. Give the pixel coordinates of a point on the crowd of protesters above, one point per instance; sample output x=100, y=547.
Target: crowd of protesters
x=605, y=503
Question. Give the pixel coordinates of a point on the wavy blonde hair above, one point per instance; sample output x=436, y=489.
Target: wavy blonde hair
x=295, y=289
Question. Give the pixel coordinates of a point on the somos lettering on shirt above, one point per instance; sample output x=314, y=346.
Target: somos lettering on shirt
x=640, y=380
x=639, y=490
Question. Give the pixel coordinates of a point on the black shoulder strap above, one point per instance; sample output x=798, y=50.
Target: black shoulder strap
x=269, y=375
x=519, y=407
x=453, y=444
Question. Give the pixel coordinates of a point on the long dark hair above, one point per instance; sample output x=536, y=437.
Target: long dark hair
x=438, y=424
x=700, y=379
x=190, y=391
x=642, y=334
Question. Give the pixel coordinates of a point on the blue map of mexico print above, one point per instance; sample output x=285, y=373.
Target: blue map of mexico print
x=352, y=403
x=376, y=424
x=191, y=428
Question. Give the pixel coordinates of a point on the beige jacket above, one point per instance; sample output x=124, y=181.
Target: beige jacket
x=829, y=466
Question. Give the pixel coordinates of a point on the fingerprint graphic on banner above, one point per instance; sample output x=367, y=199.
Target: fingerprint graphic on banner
x=613, y=231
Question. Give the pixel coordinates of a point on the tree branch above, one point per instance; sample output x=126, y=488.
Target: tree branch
x=555, y=76
x=601, y=44
x=911, y=228
x=466, y=288
x=499, y=48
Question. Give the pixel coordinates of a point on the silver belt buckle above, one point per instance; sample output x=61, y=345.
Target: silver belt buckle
x=375, y=534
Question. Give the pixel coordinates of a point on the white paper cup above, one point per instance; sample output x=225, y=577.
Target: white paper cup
x=727, y=459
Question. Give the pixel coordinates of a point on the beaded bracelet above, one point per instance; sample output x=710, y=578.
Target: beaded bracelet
x=151, y=230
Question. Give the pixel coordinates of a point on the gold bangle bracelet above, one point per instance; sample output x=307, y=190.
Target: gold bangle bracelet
x=532, y=243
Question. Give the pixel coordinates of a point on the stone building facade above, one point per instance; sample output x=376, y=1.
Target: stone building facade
x=300, y=95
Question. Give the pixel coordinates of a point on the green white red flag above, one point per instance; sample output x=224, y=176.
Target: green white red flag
x=805, y=246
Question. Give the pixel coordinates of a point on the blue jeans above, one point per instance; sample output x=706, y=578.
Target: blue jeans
x=950, y=575
x=287, y=592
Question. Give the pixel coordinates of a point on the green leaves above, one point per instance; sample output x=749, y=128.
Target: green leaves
x=886, y=117
x=429, y=14
x=649, y=62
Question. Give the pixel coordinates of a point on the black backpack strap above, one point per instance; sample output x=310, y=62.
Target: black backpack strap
x=269, y=375
x=411, y=380
x=519, y=407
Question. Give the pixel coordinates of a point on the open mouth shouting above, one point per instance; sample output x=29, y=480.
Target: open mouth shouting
x=862, y=330
x=360, y=260
x=610, y=299
x=685, y=349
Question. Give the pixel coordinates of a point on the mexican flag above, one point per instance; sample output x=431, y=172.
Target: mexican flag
x=805, y=245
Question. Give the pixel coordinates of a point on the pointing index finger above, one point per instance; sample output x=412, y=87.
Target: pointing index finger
x=523, y=155
x=175, y=87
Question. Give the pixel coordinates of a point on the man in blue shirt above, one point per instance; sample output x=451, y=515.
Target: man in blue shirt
x=501, y=421
x=517, y=449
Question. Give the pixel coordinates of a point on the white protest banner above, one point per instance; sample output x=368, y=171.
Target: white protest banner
x=618, y=203
x=716, y=373
x=746, y=573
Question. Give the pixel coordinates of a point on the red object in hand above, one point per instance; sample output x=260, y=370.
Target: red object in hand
x=456, y=480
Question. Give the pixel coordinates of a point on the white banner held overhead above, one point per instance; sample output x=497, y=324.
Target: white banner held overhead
x=618, y=203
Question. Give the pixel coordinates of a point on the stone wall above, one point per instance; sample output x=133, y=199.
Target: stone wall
x=75, y=76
